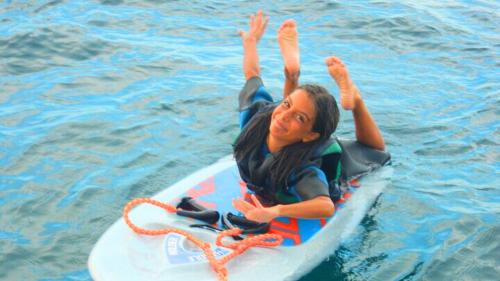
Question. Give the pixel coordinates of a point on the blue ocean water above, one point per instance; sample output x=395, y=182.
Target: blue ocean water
x=105, y=101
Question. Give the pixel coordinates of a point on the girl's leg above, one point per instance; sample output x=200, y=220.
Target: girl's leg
x=288, y=40
x=367, y=131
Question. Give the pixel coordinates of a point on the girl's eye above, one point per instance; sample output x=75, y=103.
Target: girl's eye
x=286, y=104
x=300, y=118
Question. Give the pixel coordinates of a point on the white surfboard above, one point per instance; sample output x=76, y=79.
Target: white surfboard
x=121, y=254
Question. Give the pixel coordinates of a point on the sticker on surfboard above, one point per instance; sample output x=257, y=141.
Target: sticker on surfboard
x=179, y=250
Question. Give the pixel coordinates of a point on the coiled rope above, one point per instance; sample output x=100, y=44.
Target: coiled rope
x=218, y=265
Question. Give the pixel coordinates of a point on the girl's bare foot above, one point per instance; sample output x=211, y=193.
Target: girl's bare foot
x=288, y=40
x=348, y=91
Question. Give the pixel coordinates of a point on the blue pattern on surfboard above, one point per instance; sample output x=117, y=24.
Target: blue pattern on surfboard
x=226, y=187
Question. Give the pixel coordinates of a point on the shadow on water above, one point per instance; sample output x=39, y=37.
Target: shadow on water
x=340, y=265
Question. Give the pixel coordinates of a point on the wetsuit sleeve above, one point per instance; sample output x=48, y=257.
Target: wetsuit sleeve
x=309, y=183
x=253, y=97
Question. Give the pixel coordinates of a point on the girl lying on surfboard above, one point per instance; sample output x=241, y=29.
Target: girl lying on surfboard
x=285, y=152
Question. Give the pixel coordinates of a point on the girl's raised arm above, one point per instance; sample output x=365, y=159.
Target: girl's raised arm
x=250, y=39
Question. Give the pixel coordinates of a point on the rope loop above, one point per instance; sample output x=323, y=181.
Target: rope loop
x=218, y=266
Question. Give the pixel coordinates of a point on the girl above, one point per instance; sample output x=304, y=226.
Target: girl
x=278, y=149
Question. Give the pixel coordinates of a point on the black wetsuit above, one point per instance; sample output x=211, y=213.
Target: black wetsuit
x=318, y=176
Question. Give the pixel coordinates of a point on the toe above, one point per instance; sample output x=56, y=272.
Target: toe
x=337, y=60
x=290, y=23
x=329, y=61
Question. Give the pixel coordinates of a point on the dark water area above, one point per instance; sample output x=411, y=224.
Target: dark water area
x=105, y=101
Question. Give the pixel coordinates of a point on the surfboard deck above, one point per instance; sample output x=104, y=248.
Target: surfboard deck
x=121, y=254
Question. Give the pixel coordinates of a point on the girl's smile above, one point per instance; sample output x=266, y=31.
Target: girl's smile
x=292, y=120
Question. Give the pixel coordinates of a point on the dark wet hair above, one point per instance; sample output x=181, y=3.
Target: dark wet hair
x=294, y=155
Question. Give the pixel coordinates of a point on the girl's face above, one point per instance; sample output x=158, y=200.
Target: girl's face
x=293, y=119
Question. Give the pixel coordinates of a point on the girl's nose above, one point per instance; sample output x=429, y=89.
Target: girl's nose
x=284, y=116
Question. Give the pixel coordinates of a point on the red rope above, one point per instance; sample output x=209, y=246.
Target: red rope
x=263, y=240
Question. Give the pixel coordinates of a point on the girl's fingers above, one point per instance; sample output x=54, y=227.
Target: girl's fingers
x=257, y=24
x=252, y=19
x=256, y=201
x=242, y=205
x=263, y=25
x=239, y=208
x=259, y=16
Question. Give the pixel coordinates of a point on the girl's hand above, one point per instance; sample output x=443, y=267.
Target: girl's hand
x=258, y=23
x=258, y=212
